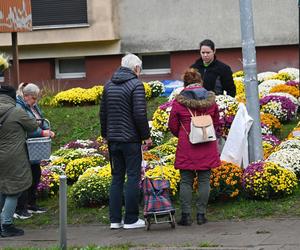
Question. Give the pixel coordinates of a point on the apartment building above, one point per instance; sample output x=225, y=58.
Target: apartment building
x=80, y=42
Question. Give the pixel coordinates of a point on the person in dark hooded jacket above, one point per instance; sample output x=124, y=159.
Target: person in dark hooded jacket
x=15, y=170
x=124, y=124
x=193, y=159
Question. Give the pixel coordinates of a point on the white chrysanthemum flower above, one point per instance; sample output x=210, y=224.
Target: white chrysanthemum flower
x=292, y=72
x=274, y=108
x=224, y=101
x=87, y=151
x=290, y=144
x=56, y=169
x=53, y=157
x=156, y=136
x=265, y=76
x=157, y=88
x=265, y=87
x=287, y=158
x=265, y=130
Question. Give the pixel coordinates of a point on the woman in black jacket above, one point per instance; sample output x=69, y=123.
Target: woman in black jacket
x=216, y=75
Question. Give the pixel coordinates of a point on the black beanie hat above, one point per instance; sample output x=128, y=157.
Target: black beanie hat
x=8, y=90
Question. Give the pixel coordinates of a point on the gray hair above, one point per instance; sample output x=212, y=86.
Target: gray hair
x=131, y=61
x=28, y=89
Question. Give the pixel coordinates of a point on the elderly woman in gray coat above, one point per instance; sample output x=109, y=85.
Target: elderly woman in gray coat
x=14, y=164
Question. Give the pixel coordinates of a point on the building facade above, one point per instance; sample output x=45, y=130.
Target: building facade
x=80, y=42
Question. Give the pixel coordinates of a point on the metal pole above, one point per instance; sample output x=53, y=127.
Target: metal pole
x=16, y=73
x=250, y=80
x=63, y=212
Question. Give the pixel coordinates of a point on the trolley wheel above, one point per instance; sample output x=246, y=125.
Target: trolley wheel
x=148, y=222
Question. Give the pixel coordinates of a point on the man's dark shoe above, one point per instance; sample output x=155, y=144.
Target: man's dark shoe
x=36, y=210
x=9, y=230
x=201, y=219
x=185, y=220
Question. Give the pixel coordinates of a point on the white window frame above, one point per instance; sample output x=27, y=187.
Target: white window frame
x=159, y=71
x=156, y=71
x=60, y=26
x=59, y=75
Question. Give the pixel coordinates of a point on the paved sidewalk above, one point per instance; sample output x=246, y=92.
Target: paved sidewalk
x=251, y=234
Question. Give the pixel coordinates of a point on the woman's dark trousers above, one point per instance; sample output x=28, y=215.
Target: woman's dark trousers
x=29, y=197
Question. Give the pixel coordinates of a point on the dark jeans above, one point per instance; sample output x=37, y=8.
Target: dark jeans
x=126, y=159
x=29, y=196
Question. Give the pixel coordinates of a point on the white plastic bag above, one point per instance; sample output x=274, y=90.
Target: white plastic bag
x=236, y=146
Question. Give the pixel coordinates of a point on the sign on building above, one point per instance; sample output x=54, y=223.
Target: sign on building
x=15, y=16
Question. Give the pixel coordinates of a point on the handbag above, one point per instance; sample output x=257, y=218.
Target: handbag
x=201, y=129
x=39, y=148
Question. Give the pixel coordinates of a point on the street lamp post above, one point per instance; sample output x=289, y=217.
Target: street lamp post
x=250, y=80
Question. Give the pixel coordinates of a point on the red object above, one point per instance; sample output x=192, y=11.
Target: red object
x=189, y=156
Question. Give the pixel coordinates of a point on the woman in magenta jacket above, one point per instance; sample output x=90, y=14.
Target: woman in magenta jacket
x=193, y=159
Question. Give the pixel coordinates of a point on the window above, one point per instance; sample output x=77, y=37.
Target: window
x=155, y=64
x=59, y=13
x=70, y=68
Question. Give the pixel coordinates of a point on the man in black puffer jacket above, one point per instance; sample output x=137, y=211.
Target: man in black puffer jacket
x=124, y=124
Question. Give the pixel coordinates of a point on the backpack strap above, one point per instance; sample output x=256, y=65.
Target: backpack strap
x=5, y=116
x=192, y=113
x=192, y=116
x=184, y=129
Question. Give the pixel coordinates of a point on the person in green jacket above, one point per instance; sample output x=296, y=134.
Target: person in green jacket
x=15, y=169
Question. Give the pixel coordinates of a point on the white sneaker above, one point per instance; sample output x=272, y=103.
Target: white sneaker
x=117, y=225
x=23, y=215
x=139, y=224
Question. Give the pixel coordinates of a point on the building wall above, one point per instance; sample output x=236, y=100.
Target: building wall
x=176, y=25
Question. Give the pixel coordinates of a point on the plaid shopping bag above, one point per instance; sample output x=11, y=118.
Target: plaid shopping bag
x=156, y=195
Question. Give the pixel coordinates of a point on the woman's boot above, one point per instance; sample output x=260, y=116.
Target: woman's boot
x=185, y=220
x=201, y=219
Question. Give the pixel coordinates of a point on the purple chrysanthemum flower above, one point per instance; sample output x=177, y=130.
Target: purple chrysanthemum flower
x=286, y=104
x=272, y=139
x=251, y=170
x=293, y=83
